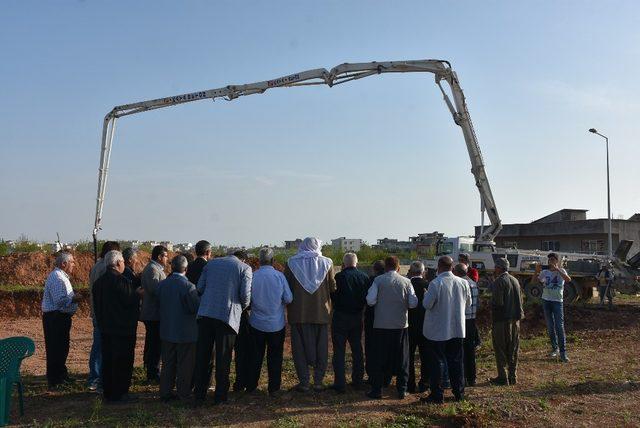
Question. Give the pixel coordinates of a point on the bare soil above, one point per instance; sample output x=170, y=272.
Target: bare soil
x=599, y=387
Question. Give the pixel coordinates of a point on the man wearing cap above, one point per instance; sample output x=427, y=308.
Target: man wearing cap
x=506, y=311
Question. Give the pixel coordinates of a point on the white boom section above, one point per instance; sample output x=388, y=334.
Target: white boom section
x=340, y=74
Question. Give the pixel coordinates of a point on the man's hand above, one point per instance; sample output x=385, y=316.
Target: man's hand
x=140, y=291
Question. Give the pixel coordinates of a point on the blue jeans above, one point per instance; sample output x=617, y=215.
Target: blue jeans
x=554, y=314
x=95, y=358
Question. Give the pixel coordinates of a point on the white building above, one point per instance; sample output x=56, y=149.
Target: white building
x=345, y=244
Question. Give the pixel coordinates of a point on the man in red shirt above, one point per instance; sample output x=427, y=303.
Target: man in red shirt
x=471, y=271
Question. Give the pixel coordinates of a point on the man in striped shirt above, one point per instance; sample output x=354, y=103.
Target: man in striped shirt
x=59, y=303
x=472, y=337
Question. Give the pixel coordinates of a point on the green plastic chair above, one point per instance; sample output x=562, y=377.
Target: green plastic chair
x=12, y=351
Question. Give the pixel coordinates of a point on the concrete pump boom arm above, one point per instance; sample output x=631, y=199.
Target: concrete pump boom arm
x=320, y=76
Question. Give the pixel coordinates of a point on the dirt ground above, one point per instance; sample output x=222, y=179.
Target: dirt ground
x=599, y=387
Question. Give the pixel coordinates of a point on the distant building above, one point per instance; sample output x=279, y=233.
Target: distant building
x=185, y=246
x=426, y=242
x=569, y=230
x=393, y=245
x=292, y=245
x=345, y=244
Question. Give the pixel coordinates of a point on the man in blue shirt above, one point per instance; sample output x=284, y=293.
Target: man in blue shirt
x=270, y=294
x=225, y=290
x=59, y=303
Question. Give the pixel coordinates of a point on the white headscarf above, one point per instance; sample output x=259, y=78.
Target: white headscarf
x=309, y=266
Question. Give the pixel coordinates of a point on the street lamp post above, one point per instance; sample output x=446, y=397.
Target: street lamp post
x=594, y=131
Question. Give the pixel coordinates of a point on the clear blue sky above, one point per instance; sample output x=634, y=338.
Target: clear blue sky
x=373, y=158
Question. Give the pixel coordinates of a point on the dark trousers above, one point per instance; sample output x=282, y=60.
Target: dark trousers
x=213, y=332
x=117, y=364
x=368, y=339
x=390, y=356
x=471, y=341
x=447, y=352
x=274, y=344
x=56, y=326
x=242, y=353
x=347, y=328
x=178, y=361
x=418, y=341
x=152, y=349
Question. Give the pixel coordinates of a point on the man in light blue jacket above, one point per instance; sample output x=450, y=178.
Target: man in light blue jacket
x=225, y=290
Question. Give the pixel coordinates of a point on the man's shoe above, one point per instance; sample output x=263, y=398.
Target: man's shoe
x=302, y=388
x=275, y=394
x=564, y=358
x=430, y=399
x=338, y=389
x=512, y=381
x=167, y=398
x=498, y=381
x=459, y=397
x=402, y=395
x=374, y=395
x=318, y=387
x=422, y=388
x=554, y=353
x=358, y=385
x=470, y=382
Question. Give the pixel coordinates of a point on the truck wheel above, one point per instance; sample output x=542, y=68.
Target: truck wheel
x=570, y=294
x=533, y=290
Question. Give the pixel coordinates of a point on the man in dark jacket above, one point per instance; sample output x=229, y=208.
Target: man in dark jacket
x=506, y=311
x=178, y=303
x=130, y=259
x=349, y=301
x=203, y=254
x=369, y=312
x=116, y=304
x=416, y=339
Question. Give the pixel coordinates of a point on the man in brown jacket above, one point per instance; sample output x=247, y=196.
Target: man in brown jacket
x=312, y=280
x=506, y=311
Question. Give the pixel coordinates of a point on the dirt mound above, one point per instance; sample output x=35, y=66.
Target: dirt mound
x=32, y=269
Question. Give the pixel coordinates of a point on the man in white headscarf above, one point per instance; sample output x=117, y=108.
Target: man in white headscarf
x=312, y=280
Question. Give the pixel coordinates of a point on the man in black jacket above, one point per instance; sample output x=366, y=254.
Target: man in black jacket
x=130, y=258
x=416, y=338
x=349, y=301
x=116, y=304
x=203, y=254
x=369, y=311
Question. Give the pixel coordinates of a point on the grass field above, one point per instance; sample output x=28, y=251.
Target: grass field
x=599, y=387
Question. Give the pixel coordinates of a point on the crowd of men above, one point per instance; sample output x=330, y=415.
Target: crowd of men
x=210, y=309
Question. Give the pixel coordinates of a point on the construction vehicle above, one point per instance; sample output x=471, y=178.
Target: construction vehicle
x=483, y=246
x=341, y=74
x=526, y=265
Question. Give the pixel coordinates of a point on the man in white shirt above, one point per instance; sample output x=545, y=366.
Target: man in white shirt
x=445, y=303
